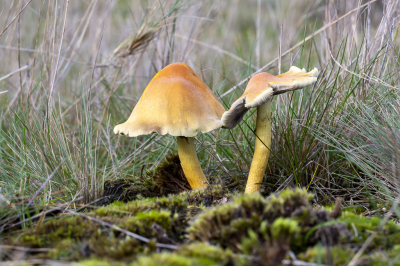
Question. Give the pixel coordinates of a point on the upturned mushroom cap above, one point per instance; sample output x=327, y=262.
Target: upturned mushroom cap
x=262, y=87
x=175, y=102
x=294, y=79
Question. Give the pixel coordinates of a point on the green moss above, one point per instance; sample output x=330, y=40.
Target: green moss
x=343, y=255
x=74, y=238
x=361, y=227
x=228, y=225
x=186, y=203
x=203, y=250
x=141, y=221
x=66, y=248
x=282, y=229
x=168, y=259
x=97, y=262
x=331, y=256
x=381, y=258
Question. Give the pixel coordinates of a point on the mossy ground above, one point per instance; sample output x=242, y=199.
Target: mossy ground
x=212, y=226
x=206, y=230
x=167, y=178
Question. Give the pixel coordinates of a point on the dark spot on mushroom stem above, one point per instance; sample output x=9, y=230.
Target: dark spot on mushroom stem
x=185, y=138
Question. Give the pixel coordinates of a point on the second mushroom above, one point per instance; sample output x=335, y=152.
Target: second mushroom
x=258, y=94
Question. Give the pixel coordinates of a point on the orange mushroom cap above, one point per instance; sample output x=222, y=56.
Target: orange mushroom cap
x=262, y=87
x=175, y=102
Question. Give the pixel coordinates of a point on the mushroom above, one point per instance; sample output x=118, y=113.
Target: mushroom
x=179, y=103
x=258, y=94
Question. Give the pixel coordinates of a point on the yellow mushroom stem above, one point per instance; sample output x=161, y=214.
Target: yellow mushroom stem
x=262, y=148
x=190, y=163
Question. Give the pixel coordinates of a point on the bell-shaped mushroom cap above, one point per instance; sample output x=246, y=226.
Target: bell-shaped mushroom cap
x=262, y=87
x=175, y=102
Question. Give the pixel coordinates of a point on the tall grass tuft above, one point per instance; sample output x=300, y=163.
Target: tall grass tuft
x=369, y=141
x=36, y=143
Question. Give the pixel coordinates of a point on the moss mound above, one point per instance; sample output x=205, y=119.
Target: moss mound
x=210, y=227
x=266, y=228
x=167, y=178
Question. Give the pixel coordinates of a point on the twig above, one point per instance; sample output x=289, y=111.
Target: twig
x=59, y=208
x=26, y=249
x=301, y=263
x=136, y=236
x=12, y=73
x=35, y=262
x=8, y=25
x=354, y=261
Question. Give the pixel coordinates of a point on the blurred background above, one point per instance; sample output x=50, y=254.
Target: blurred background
x=71, y=70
